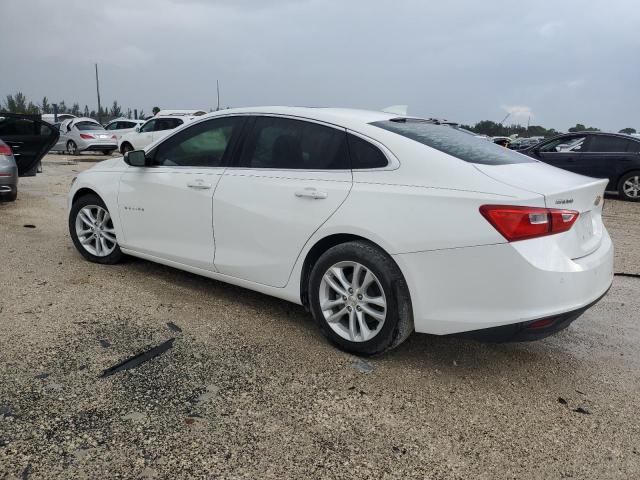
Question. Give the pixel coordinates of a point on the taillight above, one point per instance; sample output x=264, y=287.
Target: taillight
x=5, y=149
x=86, y=136
x=521, y=223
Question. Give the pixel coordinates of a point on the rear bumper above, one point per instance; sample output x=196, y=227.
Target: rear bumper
x=475, y=288
x=99, y=147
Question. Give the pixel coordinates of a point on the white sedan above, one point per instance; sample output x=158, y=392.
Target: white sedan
x=380, y=225
x=150, y=131
x=122, y=126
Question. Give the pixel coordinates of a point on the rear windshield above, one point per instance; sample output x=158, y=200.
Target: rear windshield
x=89, y=126
x=451, y=140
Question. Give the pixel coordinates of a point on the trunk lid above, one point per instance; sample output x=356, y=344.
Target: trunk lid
x=564, y=190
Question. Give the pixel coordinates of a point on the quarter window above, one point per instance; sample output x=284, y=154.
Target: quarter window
x=364, y=154
x=167, y=124
x=602, y=144
x=285, y=143
x=112, y=126
x=201, y=145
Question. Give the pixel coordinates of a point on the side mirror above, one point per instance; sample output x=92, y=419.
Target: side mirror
x=138, y=128
x=135, y=158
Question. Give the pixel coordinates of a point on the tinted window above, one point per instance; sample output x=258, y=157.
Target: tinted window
x=565, y=144
x=285, y=143
x=449, y=140
x=364, y=154
x=633, y=147
x=602, y=143
x=112, y=126
x=167, y=124
x=201, y=145
x=122, y=125
x=84, y=126
x=149, y=126
x=17, y=126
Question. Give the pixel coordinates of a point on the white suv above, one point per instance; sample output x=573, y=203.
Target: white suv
x=151, y=131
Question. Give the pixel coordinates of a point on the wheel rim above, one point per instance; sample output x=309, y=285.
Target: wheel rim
x=631, y=186
x=352, y=301
x=95, y=232
x=71, y=146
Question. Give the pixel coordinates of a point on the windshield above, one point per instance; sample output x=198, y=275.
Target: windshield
x=453, y=141
x=84, y=126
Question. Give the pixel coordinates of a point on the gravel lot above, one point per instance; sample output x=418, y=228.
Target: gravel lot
x=250, y=389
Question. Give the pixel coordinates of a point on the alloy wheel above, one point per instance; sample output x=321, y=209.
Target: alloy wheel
x=95, y=231
x=352, y=301
x=631, y=187
x=72, y=148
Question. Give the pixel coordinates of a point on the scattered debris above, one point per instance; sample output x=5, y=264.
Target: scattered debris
x=211, y=392
x=562, y=401
x=189, y=421
x=26, y=472
x=29, y=225
x=139, y=359
x=135, y=416
x=104, y=343
x=42, y=376
x=399, y=451
x=362, y=366
x=582, y=409
x=581, y=393
x=5, y=411
x=631, y=275
x=173, y=327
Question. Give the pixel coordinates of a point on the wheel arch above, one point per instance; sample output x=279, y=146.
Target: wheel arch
x=624, y=174
x=321, y=246
x=81, y=192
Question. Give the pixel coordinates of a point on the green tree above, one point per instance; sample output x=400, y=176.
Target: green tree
x=581, y=128
x=116, y=111
x=628, y=130
x=86, y=111
x=16, y=103
x=45, y=106
x=62, y=107
x=75, y=109
x=156, y=110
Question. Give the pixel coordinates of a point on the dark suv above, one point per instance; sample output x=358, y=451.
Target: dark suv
x=601, y=155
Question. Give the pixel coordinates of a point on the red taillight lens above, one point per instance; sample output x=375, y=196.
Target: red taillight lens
x=86, y=136
x=5, y=150
x=521, y=223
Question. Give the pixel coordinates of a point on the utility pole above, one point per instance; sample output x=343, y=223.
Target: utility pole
x=218, y=90
x=98, y=91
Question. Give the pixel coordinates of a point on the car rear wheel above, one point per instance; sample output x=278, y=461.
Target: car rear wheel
x=9, y=197
x=126, y=147
x=359, y=298
x=92, y=231
x=72, y=148
x=630, y=186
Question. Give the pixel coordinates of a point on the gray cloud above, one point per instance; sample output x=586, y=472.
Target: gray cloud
x=565, y=62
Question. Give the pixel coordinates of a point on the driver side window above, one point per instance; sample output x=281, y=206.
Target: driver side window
x=148, y=127
x=565, y=145
x=201, y=145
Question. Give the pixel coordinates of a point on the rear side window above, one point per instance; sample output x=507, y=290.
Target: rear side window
x=167, y=124
x=364, y=154
x=449, y=140
x=604, y=144
x=634, y=147
x=85, y=126
x=294, y=144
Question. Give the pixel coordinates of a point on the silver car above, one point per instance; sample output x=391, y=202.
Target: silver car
x=8, y=173
x=24, y=140
x=84, y=134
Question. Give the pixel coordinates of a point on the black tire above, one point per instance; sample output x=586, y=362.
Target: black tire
x=91, y=199
x=625, y=178
x=72, y=148
x=9, y=197
x=398, y=323
x=125, y=147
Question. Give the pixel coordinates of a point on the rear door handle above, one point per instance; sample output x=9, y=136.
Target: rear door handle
x=311, y=193
x=199, y=185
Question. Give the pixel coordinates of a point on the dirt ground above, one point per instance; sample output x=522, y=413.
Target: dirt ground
x=251, y=389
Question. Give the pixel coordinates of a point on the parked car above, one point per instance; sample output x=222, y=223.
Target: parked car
x=24, y=140
x=613, y=156
x=121, y=126
x=378, y=224
x=151, y=131
x=523, y=143
x=82, y=135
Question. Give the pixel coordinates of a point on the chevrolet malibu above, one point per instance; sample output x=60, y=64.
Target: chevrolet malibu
x=378, y=224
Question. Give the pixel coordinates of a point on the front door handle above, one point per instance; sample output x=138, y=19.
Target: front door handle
x=311, y=193
x=199, y=185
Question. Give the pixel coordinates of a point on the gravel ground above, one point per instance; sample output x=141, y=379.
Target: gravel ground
x=251, y=390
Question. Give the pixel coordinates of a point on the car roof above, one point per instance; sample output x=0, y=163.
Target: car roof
x=345, y=117
x=125, y=119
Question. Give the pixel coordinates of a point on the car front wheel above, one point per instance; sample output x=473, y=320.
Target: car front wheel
x=72, y=148
x=92, y=231
x=630, y=186
x=359, y=298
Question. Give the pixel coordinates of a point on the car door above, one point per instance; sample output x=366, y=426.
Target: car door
x=563, y=152
x=29, y=138
x=607, y=156
x=144, y=136
x=166, y=207
x=290, y=176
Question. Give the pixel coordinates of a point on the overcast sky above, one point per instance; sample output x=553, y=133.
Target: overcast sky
x=560, y=62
